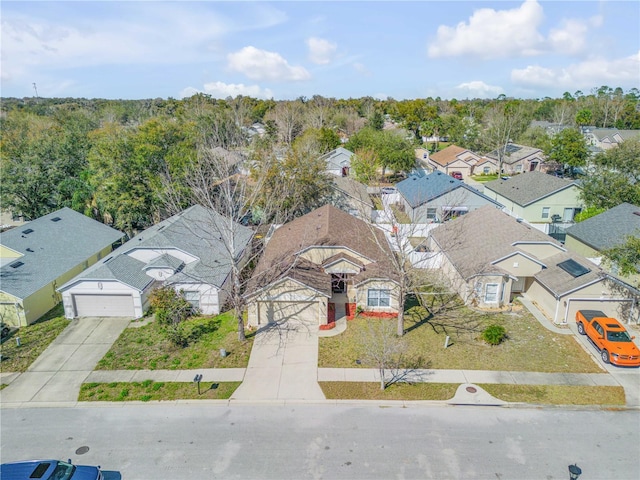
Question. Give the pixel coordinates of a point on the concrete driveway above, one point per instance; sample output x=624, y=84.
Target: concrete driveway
x=58, y=373
x=627, y=377
x=283, y=364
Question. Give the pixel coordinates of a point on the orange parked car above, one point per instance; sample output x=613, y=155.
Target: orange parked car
x=610, y=338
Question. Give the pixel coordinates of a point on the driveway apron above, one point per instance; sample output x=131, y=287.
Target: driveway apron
x=57, y=374
x=283, y=364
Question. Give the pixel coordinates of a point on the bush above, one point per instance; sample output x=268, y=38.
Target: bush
x=494, y=334
x=190, y=331
x=169, y=306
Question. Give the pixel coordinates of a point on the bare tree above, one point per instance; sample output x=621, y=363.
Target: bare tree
x=504, y=121
x=288, y=116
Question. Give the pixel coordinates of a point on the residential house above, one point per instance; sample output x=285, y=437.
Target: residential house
x=604, y=231
x=185, y=251
x=518, y=158
x=550, y=128
x=538, y=198
x=42, y=254
x=352, y=197
x=605, y=138
x=497, y=258
x=234, y=161
x=485, y=166
x=454, y=159
x=320, y=266
x=338, y=161
x=437, y=197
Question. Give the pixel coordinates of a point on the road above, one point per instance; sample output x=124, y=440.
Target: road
x=304, y=441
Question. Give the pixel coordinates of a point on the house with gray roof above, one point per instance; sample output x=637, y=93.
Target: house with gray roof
x=490, y=258
x=185, y=251
x=437, y=197
x=604, y=231
x=352, y=197
x=43, y=254
x=605, y=138
x=338, y=161
x=518, y=158
x=537, y=197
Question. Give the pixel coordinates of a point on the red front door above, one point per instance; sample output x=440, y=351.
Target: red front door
x=331, y=313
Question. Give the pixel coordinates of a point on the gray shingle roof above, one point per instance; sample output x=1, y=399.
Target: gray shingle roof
x=420, y=189
x=340, y=157
x=529, y=187
x=196, y=231
x=51, y=249
x=475, y=240
x=609, y=228
x=515, y=153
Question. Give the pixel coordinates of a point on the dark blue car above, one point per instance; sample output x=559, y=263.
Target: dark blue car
x=48, y=470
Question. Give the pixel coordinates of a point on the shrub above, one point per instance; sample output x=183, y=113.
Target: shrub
x=494, y=334
x=170, y=307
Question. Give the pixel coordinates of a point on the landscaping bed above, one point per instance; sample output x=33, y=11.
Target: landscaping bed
x=148, y=390
x=529, y=347
x=148, y=347
x=34, y=339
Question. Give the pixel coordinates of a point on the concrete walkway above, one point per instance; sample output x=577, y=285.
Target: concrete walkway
x=57, y=374
x=283, y=364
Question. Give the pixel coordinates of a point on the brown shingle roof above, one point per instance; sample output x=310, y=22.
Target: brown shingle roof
x=446, y=156
x=324, y=227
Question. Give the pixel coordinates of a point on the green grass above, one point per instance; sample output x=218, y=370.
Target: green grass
x=34, y=339
x=485, y=178
x=149, y=390
x=147, y=348
x=529, y=347
x=401, y=217
x=557, y=394
x=399, y=391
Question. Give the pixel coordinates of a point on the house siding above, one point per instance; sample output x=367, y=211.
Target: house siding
x=575, y=245
x=567, y=198
x=460, y=197
x=361, y=294
x=289, y=292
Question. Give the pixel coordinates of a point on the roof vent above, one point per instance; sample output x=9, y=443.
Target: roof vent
x=636, y=213
x=56, y=219
x=27, y=231
x=16, y=264
x=29, y=250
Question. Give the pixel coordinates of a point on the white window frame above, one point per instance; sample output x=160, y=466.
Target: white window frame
x=494, y=295
x=432, y=213
x=377, y=296
x=195, y=302
x=545, y=212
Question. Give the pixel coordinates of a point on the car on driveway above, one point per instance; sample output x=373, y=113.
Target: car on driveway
x=388, y=190
x=48, y=470
x=456, y=175
x=610, y=338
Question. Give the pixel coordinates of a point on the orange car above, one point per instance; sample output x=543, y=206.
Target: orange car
x=610, y=338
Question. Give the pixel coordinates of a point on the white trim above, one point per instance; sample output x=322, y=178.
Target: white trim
x=569, y=300
x=518, y=252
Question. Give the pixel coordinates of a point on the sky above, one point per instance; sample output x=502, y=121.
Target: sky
x=342, y=49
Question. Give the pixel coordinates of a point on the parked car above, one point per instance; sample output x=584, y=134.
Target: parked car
x=388, y=190
x=609, y=336
x=48, y=470
x=456, y=175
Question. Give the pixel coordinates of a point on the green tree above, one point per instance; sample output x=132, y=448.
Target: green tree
x=626, y=256
x=364, y=164
x=584, y=117
x=392, y=150
x=616, y=177
x=568, y=148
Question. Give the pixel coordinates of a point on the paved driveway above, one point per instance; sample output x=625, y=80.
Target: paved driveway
x=58, y=372
x=283, y=364
x=628, y=377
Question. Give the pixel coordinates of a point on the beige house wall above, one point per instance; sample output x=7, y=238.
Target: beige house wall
x=361, y=294
x=575, y=245
x=6, y=252
x=319, y=255
x=11, y=311
x=540, y=250
x=520, y=266
x=567, y=198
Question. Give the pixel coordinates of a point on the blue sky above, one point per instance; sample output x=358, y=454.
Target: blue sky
x=342, y=49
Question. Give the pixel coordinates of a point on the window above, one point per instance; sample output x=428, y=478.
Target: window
x=378, y=298
x=486, y=170
x=193, y=297
x=568, y=215
x=545, y=212
x=518, y=168
x=491, y=293
x=431, y=213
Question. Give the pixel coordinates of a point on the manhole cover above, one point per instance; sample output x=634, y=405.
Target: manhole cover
x=471, y=389
x=82, y=450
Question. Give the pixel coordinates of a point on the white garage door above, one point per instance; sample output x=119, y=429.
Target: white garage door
x=103, y=305
x=291, y=312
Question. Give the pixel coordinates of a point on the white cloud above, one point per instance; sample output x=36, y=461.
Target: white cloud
x=621, y=72
x=321, y=51
x=492, y=34
x=259, y=64
x=361, y=69
x=479, y=89
x=224, y=90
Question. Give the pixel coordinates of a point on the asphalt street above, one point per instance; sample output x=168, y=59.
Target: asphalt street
x=347, y=441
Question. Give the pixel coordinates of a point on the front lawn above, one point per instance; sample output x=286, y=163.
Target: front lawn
x=529, y=346
x=557, y=394
x=485, y=178
x=398, y=391
x=149, y=390
x=147, y=347
x=34, y=339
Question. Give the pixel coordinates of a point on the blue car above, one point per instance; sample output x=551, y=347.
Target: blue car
x=48, y=470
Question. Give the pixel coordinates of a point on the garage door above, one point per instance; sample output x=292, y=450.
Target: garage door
x=617, y=308
x=103, y=305
x=291, y=312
